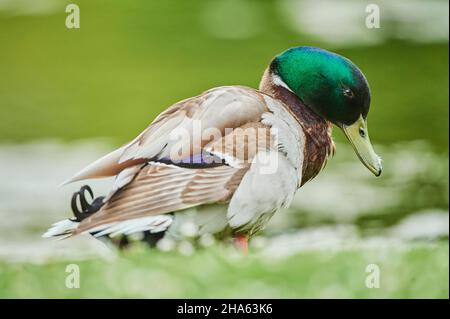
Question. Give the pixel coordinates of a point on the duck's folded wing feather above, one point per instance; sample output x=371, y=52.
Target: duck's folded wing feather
x=239, y=147
x=219, y=109
x=159, y=189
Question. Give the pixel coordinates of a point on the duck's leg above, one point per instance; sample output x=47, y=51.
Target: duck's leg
x=86, y=208
x=152, y=238
x=123, y=243
x=241, y=242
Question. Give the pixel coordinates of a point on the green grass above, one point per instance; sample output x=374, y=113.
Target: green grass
x=420, y=271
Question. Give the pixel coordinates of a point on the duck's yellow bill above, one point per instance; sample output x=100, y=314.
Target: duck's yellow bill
x=358, y=136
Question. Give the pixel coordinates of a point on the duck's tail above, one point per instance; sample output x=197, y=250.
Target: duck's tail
x=153, y=227
x=66, y=227
x=62, y=229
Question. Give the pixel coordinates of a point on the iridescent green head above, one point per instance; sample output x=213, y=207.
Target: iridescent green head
x=326, y=82
x=334, y=88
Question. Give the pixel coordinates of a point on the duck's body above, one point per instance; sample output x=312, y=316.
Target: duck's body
x=246, y=153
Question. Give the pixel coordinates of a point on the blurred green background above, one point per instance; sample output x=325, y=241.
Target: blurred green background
x=132, y=59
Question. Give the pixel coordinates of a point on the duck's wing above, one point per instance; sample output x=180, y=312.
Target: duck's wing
x=144, y=193
x=158, y=189
x=262, y=169
x=219, y=109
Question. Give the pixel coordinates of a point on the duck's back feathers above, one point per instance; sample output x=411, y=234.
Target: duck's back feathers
x=220, y=108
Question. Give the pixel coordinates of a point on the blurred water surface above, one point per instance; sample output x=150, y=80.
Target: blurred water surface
x=344, y=206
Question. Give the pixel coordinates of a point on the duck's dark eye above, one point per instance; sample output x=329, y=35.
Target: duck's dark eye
x=348, y=93
x=362, y=133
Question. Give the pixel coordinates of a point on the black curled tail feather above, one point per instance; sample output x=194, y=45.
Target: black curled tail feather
x=85, y=210
x=82, y=209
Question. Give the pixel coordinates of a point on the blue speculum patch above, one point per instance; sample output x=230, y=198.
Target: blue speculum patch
x=194, y=161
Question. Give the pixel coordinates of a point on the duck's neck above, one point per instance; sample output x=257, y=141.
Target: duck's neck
x=273, y=85
x=319, y=144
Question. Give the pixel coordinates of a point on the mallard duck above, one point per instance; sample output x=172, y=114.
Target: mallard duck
x=236, y=153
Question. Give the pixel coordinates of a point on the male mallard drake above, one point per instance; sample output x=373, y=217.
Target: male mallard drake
x=237, y=153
